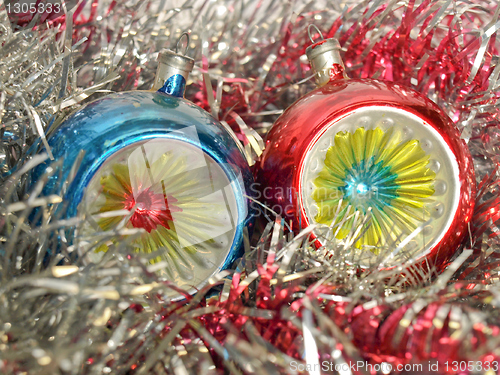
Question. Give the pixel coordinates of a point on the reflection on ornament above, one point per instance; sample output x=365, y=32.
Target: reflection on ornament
x=375, y=173
x=178, y=195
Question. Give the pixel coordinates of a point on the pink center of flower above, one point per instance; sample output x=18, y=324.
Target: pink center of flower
x=152, y=209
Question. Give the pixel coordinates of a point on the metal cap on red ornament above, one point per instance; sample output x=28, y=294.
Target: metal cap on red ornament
x=325, y=60
x=377, y=166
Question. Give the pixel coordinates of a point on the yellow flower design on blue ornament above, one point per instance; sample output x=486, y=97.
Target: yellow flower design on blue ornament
x=375, y=173
x=177, y=206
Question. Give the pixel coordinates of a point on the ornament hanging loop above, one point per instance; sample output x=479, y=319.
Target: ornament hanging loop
x=184, y=34
x=313, y=26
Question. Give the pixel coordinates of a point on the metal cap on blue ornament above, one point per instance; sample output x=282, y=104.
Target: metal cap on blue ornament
x=158, y=172
x=173, y=71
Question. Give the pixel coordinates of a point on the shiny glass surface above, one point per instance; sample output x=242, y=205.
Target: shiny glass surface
x=304, y=123
x=132, y=130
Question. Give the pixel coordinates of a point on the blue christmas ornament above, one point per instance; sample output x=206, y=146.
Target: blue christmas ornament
x=156, y=164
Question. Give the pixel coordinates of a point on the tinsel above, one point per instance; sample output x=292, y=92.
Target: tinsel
x=286, y=308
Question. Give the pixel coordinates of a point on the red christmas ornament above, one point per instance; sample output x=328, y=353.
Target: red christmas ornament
x=371, y=163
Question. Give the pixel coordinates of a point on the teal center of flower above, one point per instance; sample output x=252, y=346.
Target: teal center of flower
x=369, y=185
